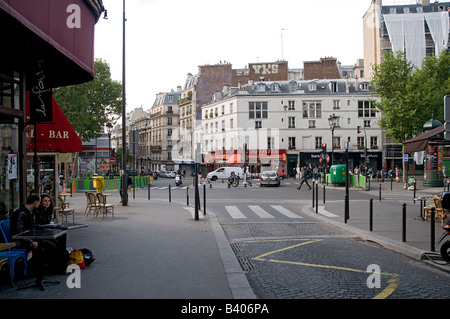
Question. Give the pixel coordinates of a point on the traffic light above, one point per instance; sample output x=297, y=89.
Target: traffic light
x=359, y=129
x=324, y=147
x=245, y=153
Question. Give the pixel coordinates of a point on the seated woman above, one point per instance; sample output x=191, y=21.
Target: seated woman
x=56, y=254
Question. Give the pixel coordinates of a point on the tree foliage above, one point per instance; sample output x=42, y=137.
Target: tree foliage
x=89, y=106
x=410, y=96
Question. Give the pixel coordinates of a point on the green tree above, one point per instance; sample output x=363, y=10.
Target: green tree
x=89, y=106
x=410, y=96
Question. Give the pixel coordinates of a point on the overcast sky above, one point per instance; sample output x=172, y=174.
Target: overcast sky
x=167, y=39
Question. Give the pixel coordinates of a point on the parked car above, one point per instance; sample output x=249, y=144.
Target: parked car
x=225, y=172
x=269, y=178
x=171, y=174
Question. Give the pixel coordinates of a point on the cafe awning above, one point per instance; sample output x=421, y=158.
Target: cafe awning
x=234, y=159
x=57, y=137
x=420, y=142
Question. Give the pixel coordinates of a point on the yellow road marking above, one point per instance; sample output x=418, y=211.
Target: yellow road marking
x=393, y=282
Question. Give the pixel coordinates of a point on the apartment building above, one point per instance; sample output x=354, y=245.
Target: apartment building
x=285, y=123
x=420, y=28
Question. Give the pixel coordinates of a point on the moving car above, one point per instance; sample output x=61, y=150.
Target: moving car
x=269, y=178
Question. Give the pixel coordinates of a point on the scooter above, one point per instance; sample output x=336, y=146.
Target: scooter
x=233, y=180
x=178, y=180
x=445, y=248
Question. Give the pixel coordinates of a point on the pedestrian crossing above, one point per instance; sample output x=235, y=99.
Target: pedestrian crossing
x=236, y=212
x=269, y=212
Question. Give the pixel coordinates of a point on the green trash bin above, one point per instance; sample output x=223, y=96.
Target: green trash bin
x=337, y=174
x=411, y=179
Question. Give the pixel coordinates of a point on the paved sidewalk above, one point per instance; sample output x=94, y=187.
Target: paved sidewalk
x=154, y=249
x=387, y=229
x=150, y=249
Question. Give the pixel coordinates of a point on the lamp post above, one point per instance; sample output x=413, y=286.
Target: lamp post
x=124, y=123
x=332, y=121
x=109, y=129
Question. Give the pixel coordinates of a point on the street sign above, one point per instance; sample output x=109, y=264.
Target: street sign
x=112, y=160
x=405, y=158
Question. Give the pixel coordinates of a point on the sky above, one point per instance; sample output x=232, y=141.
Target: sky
x=167, y=39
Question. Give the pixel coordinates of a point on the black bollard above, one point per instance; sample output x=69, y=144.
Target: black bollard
x=371, y=214
x=170, y=194
x=313, y=190
x=414, y=194
x=317, y=198
x=379, y=193
x=148, y=191
x=432, y=230
x=345, y=208
x=204, y=199
x=324, y=194
x=404, y=223
x=187, y=196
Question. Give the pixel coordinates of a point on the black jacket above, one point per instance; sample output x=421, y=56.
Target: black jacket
x=22, y=220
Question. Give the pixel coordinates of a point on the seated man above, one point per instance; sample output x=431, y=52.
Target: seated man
x=23, y=219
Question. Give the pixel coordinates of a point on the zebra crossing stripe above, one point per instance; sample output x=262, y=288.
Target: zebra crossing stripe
x=285, y=211
x=260, y=212
x=192, y=211
x=234, y=212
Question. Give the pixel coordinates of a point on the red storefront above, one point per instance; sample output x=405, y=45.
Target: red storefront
x=46, y=44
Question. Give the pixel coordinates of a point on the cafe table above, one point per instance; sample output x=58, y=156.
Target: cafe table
x=423, y=202
x=40, y=235
x=6, y=246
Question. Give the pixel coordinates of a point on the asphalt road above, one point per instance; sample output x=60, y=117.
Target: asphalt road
x=287, y=254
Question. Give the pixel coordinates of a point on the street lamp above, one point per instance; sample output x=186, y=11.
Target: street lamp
x=332, y=120
x=109, y=127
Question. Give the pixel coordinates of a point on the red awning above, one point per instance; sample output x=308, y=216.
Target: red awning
x=58, y=137
x=234, y=159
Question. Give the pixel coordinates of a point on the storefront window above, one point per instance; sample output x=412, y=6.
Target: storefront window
x=10, y=91
x=9, y=169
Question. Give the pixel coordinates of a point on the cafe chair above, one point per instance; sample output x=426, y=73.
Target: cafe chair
x=103, y=206
x=4, y=270
x=92, y=204
x=64, y=210
x=439, y=212
x=14, y=255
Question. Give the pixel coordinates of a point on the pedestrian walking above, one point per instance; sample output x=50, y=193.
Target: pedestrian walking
x=304, y=176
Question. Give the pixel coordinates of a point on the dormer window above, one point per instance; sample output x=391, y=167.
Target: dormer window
x=261, y=87
x=364, y=86
x=333, y=87
x=312, y=86
x=275, y=87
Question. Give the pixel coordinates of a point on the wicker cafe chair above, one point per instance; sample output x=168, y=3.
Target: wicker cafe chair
x=103, y=206
x=439, y=212
x=64, y=210
x=92, y=204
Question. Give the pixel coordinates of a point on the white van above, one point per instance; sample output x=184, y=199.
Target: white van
x=225, y=172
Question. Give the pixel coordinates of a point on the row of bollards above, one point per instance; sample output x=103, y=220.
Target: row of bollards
x=432, y=223
x=198, y=205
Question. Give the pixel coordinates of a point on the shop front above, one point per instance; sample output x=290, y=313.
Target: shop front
x=45, y=45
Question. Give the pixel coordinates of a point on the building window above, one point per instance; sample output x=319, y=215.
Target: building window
x=258, y=124
x=231, y=124
x=366, y=109
x=364, y=86
x=291, y=122
x=336, y=142
x=312, y=124
x=333, y=87
x=336, y=105
x=318, y=142
x=373, y=142
x=367, y=123
x=270, y=142
x=169, y=121
x=291, y=105
x=312, y=86
x=312, y=109
x=257, y=110
x=360, y=142
x=292, y=143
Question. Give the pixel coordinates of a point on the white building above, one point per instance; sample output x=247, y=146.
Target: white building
x=284, y=124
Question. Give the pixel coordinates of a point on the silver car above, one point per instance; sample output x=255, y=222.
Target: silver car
x=269, y=178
